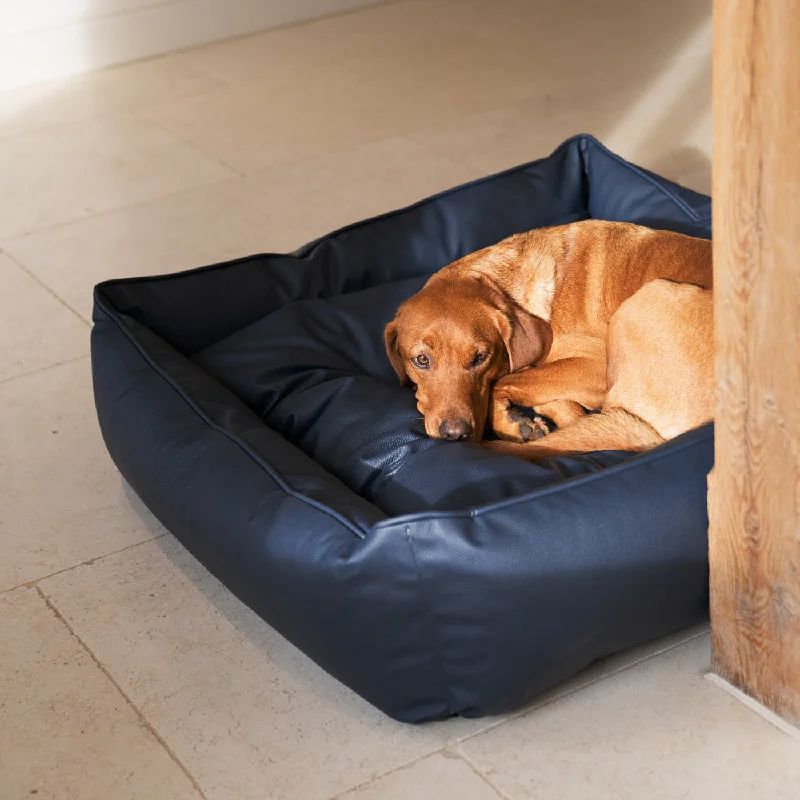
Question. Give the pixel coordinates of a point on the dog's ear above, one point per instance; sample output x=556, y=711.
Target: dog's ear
x=527, y=338
x=398, y=364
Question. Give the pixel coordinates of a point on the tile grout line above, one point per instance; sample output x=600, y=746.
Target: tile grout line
x=45, y=286
x=468, y=761
x=239, y=175
x=453, y=749
x=140, y=715
x=178, y=57
x=42, y=369
x=96, y=115
x=107, y=212
x=570, y=692
x=445, y=752
x=34, y=583
x=54, y=26
x=141, y=116
x=378, y=776
x=136, y=115
x=481, y=172
x=250, y=173
x=452, y=746
x=178, y=54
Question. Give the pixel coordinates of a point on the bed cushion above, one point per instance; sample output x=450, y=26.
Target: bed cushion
x=317, y=373
x=253, y=409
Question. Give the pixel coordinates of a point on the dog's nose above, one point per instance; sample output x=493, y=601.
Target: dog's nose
x=455, y=430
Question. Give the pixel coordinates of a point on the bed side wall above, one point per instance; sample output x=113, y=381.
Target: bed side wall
x=348, y=602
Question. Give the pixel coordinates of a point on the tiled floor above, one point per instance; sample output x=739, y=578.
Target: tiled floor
x=126, y=671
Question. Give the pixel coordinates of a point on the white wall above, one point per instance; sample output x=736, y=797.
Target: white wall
x=46, y=39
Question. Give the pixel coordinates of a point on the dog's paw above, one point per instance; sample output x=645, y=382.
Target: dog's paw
x=512, y=425
x=528, y=429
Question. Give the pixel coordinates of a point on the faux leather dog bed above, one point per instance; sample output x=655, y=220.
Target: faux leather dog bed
x=252, y=407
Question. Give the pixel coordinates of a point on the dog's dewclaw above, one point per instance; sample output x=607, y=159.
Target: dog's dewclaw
x=540, y=428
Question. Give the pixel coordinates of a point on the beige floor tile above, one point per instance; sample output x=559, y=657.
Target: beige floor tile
x=36, y=330
x=505, y=137
x=275, y=211
x=539, y=39
x=414, y=66
x=247, y=714
x=277, y=55
x=672, y=139
x=441, y=776
x=616, y=38
x=65, y=731
x=72, y=171
x=358, y=98
x=257, y=126
x=599, y=70
x=657, y=730
x=43, y=105
x=61, y=499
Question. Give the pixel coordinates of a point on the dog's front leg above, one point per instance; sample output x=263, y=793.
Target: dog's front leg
x=561, y=390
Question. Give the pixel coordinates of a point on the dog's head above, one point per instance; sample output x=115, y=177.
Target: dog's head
x=453, y=340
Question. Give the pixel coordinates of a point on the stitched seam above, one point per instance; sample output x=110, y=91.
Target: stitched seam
x=433, y=637
x=562, y=486
x=265, y=466
x=642, y=174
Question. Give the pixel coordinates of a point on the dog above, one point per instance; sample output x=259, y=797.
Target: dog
x=594, y=316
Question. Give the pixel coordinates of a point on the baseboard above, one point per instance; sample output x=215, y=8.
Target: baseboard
x=760, y=709
x=66, y=50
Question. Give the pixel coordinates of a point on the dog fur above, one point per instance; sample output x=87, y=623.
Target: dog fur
x=593, y=316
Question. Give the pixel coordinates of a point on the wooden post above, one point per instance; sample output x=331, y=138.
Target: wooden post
x=754, y=489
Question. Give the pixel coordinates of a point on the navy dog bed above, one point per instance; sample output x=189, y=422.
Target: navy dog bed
x=253, y=409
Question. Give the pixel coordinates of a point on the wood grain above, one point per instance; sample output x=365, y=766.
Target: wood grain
x=754, y=489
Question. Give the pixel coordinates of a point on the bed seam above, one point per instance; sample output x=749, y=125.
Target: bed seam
x=561, y=486
x=642, y=173
x=423, y=595
x=265, y=466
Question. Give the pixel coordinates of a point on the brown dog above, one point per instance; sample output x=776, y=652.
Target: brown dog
x=589, y=316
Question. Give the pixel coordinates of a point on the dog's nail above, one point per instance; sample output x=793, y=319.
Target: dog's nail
x=539, y=433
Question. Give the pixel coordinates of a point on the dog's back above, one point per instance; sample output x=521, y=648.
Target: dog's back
x=576, y=276
x=613, y=317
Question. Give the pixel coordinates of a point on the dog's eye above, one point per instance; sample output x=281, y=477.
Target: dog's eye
x=479, y=359
x=423, y=362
